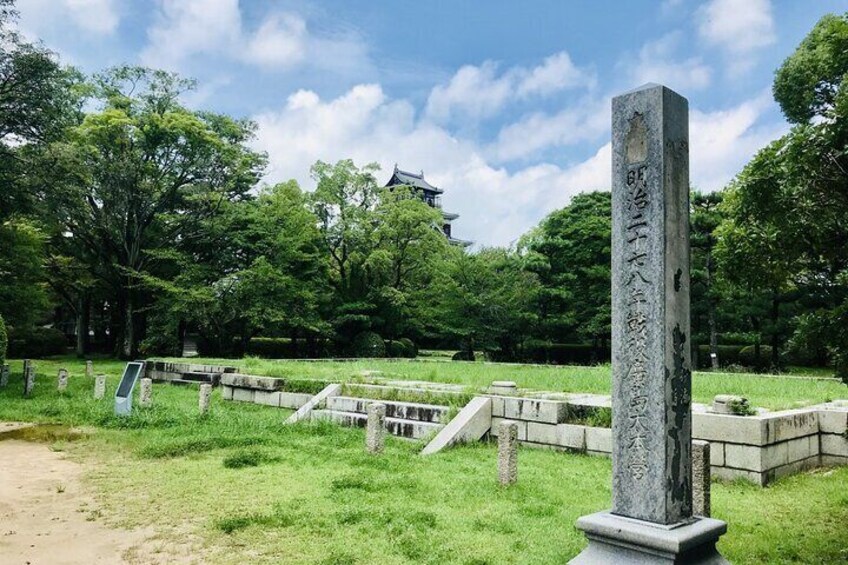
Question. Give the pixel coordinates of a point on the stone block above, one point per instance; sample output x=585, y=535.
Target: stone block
x=701, y=478
x=833, y=444
x=747, y=430
x=791, y=469
x=572, y=436
x=599, y=439
x=497, y=407
x=100, y=387
x=790, y=424
x=375, y=431
x=777, y=454
x=730, y=404
x=801, y=448
x=503, y=387
x=522, y=428
x=747, y=457
x=833, y=421
x=543, y=433
x=716, y=453
x=243, y=394
x=833, y=460
x=227, y=392
x=305, y=411
x=146, y=395
x=204, y=398
x=293, y=400
x=266, y=398
x=535, y=410
x=507, y=452
x=470, y=424
x=730, y=474
x=252, y=381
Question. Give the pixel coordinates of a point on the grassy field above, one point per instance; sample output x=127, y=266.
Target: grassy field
x=767, y=391
x=247, y=488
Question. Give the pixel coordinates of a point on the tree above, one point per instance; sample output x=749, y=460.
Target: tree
x=704, y=221
x=570, y=252
x=142, y=173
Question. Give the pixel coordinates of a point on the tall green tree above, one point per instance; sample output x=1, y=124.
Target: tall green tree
x=143, y=172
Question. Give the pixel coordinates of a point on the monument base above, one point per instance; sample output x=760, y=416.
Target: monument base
x=624, y=541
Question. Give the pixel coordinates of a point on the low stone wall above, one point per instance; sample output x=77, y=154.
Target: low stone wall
x=757, y=448
x=184, y=373
x=261, y=390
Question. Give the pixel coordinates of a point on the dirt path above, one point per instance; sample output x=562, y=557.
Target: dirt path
x=47, y=517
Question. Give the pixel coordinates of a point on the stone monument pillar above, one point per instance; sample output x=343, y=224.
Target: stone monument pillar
x=375, y=428
x=62, y=380
x=205, y=396
x=29, y=378
x=146, y=395
x=4, y=376
x=507, y=453
x=100, y=387
x=651, y=518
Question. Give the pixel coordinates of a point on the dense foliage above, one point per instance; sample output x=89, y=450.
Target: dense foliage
x=130, y=222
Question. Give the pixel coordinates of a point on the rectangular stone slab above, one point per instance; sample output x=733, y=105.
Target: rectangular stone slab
x=650, y=306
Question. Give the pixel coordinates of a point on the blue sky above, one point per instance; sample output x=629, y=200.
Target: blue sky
x=503, y=104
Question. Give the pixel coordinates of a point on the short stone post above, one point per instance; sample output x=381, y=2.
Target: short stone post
x=375, y=432
x=507, y=452
x=100, y=387
x=4, y=376
x=146, y=399
x=62, y=380
x=701, y=478
x=205, y=396
x=651, y=517
x=29, y=379
x=89, y=369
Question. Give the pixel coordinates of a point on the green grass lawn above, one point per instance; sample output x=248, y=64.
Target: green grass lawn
x=766, y=391
x=250, y=489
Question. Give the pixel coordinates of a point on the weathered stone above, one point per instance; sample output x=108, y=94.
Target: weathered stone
x=535, y=410
x=503, y=387
x=252, y=381
x=394, y=409
x=650, y=521
x=267, y=398
x=89, y=369
x=599, y=440
x=29, y=379
x=62, y=380
x=244, y=394
x=572, y=436
x=730, y=404
x=375, y=430
x=722, y=427
x=146, y=397
x=204, y=398
x=472, y=423
x=701, y=478
x=507, y=452
x=716, y=453
x=293, y=400
x=833, y=420
x=305, y=411
x=834, y=445
x=522, y=428
x=227, y=392
x=100, y=387
x=4, y=376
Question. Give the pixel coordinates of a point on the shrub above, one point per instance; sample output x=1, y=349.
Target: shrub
x=401, y=348
x=286, y=348
x=36, y=342
x=566, y=353
x=4, y=341
x=367, y=344
x=463, y=355
x=727, y=355
x=411, y=348
x=747, y=356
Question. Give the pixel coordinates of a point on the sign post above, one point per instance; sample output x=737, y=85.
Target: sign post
x=123, y=396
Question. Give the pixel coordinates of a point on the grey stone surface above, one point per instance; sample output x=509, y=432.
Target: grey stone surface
x=252, y=381
x=599, y=440
x=472, y=423
x=503, y=387
x=833, y=444
x=305, y=411
x=701, y=478
x=407, y=429
x=650, y=306
x=89, y=369
x=730, y=404
x=146, y=394
x=62, y=380
x=29, y=378
x=100, y=387
x=244, y=394
x=507, y=452
x=4, y=376
x=623, y=541
x=375, y=429
x=522, y=428
x=204, y=398
x=394, y=409
x=535, y=410
x=293, y=400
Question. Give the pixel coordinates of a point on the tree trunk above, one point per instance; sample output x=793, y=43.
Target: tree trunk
x=775, y=334
x=128, y=349
x=83, y=319
x=711, y=315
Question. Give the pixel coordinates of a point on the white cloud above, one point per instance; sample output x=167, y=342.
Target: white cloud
x=738, y=27
x=99, y=17
x=477, y=92
x=656, y=63
x=497, y=205
x=183, y=28
x=186, y=28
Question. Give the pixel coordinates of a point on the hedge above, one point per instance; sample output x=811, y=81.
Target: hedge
x=367, y=344
x=36, y=342
x=566, y=353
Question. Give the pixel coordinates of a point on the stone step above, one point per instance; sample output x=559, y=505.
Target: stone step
x=409, y=429
x=433, y=413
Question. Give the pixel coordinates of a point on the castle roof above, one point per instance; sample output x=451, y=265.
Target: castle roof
x=406, y=178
